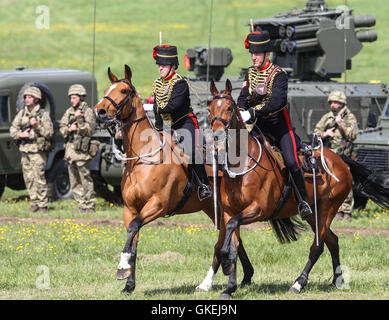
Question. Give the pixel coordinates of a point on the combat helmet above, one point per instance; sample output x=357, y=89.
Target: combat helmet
x=34, y=92
x=337, y=96
x=77, y=89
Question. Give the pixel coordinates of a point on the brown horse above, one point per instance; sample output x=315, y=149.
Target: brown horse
x=254, y=195
x=155, y=175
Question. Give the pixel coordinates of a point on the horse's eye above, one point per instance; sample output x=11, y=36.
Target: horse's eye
x=124, y=91
x=229, y=109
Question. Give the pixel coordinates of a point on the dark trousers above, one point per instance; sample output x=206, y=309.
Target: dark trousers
x=190, y=138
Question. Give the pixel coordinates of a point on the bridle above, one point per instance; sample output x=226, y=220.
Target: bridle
x=117, y=119
x=228, y=124
x=119, y=107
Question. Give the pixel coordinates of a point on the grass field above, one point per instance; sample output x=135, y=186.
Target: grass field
x=126, y=32
x=79, y=253
x=66, y=255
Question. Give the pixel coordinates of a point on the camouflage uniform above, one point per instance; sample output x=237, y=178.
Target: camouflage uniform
x=34, y=151
x=341, y=142
x=77, y=155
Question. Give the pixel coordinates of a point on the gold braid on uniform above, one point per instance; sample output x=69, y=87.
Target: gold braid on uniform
x=257, y=77
x=162, y=96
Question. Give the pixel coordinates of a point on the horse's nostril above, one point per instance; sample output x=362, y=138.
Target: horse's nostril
x=101, y=112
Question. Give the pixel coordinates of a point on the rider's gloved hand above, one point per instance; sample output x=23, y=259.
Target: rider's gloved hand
x=246, y=116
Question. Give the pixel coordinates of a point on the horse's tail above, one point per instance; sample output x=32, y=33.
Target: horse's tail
x=368, y=184
x=286, y=229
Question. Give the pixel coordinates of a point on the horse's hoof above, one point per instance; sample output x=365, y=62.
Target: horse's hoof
x=201, y=289
x=225, y=296
x=338, y=282
x=122, y=274
x=245, y=283
x=127, y=290
x=296, y=288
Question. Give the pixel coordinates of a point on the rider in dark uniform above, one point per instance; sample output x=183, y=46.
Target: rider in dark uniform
x=172, y=108
x=263, y=101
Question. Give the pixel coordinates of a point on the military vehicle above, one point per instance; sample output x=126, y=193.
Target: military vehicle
x=54, y=84
x=314, y=45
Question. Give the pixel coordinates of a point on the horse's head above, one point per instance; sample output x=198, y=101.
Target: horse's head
x=223, y=110
x=118, y=101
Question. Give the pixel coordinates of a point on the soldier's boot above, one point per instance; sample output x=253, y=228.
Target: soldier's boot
x=304, y=209
x=204, y=190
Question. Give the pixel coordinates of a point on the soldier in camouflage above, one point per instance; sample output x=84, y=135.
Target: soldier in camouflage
x=76, y=127
x=32, y=129
x=338, y=129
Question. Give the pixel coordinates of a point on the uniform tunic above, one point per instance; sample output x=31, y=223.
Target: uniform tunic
x=270, y=113
x=172, y=107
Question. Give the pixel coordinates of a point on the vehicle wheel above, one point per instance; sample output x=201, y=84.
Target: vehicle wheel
x=58, y=181
x=2, y=184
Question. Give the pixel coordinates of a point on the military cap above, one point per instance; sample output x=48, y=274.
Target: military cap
x=165, y=54
x=258, y=42
x=34, y=92
x=77, y=89
x=337, y=96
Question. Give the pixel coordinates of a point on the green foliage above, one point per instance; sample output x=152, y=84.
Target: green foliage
x=126, y=32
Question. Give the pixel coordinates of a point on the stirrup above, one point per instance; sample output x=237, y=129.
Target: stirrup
x=304, y=210
x=204, y=192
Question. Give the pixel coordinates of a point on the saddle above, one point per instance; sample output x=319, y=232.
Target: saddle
x=304, y=155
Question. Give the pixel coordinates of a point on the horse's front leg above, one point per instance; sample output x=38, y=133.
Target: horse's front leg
x=130, y=284
x=128, y=255
x=232, y=282
x=225, y=251
x=207, y=283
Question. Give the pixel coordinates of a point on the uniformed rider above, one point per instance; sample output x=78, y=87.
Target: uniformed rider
x=263, y=101
x=172, y=108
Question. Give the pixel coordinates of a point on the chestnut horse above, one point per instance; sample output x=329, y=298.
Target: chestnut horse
x=254, y=196
x=154, y=178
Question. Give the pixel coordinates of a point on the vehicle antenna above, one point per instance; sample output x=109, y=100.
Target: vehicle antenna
x=209, y=42
x=93, y=51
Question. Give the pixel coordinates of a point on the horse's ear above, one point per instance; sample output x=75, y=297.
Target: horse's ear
x=213, y=89
x=111, y=76
x=127, y=73
x=228, y=87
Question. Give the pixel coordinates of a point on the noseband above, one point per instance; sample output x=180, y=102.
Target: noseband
x=119, y=107
x=228, y=123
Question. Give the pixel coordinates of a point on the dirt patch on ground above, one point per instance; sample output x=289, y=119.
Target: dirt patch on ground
x=171, y=223
x=166, y=256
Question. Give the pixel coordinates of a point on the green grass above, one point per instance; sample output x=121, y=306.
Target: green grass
x=174, y=257
x=126, y=32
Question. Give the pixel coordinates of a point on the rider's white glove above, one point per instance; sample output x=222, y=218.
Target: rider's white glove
x=245, y=115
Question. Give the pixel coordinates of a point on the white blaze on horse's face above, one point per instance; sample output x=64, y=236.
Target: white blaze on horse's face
x=111, y=88
x=219, y=103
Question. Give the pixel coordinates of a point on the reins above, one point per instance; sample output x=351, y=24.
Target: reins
x=228, y=125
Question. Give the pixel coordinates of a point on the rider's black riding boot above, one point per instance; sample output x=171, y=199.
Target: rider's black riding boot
x=303, y=207
x=204, y=190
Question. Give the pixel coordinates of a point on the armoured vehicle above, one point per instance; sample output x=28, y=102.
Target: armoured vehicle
x=314, y=45
x=54, y=84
